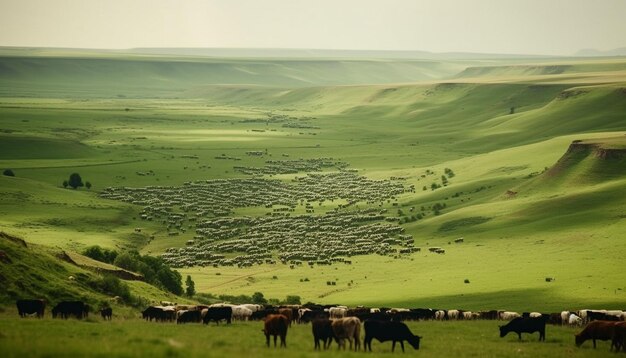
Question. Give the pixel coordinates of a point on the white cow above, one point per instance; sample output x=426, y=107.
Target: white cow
x=564, y=317
x=468, y=315
x=508, y=315
x=440, y=315
x=337, y=312
x=574, y=320
x=534, y=314
x=241, y=313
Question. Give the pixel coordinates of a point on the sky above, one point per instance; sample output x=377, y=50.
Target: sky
x=548, y=27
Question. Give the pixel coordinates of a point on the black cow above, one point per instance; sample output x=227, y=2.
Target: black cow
x=600, y=316
x=322, y=331
x=389, y=331
x=424, y=314
x=312, y=315
x=261, y=314
x=521, y=325
x=106, y=313
x=66, y=309
x=28, y=307
x=217, y=314
x=188, y=316
x=153, y=312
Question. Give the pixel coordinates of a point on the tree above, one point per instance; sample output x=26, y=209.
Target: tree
x=8, y=172
x=75, y=181
x=292, y=300
x=88, y=185
x=191, y=286
x=171, y=280
x=444, y=180
x=65, y=183
x=512, y=111
x=258, y=298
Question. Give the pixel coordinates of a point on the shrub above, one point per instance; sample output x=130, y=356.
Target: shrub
x=8, y=173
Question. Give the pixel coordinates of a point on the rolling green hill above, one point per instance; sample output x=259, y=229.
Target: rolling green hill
x=535, y=145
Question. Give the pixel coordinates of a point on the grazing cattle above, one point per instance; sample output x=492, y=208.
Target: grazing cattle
x=193, y=316
x=217, y=314
x=260, y=315
x=564, y=317
x=337, y=312
x=288, y=313
x=66, y=309
x=322, y=331
x=107, y=313
x=596, y=330
x=453, y=314
x=276, y=325
x=347, y=328
x=153, y=312
x=574, y=320
x=28, y=307
x=507, y=316
x=601, y=316
x=521, y=325
x=389, y=331
x=535, y=315
x=241, y=313
x=440, y=315
x=467, y=315
x=309, y=316
x=619, y=337
x=555, y=318
x=490, y=315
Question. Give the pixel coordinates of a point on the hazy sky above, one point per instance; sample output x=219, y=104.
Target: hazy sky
x=494, y=26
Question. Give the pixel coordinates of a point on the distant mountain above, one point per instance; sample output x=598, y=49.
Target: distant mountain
x=591, y=52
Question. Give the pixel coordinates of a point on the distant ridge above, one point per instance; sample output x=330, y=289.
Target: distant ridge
x=591, y=52
x=265, y=53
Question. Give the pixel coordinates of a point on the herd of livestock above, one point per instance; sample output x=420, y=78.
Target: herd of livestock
x=203, y=207
x=342, y=324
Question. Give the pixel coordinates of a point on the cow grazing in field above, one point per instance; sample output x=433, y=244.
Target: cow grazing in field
x=347, y=328
x=574, y=320
x=507, y=315
x=191, y=316
x=441, y=315
x=596, y=330
x=276, y=325
x=66, y=309
x=241, y=313
x=322, y=331
x=619, y=337
x=288, y=313
x=217, y=314
x=28, y=307
x=260, y=315
x=490, y=315
x=521, y=325
x=337, y=312
x=106, y=313
x=565, y=317
x=154, y=312
x=389, y=331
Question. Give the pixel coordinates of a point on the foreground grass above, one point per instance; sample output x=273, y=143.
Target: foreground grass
x=134, y=337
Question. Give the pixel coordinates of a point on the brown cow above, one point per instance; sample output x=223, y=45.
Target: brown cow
x=619, y=337
x=347, y=328
x=288, y=313
x=276, y=325
x=596, y=330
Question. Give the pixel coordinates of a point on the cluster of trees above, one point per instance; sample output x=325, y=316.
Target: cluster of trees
x=153, y=269
x=8, y=173
x=75, y=182
x=112, y=286
x=257, y=298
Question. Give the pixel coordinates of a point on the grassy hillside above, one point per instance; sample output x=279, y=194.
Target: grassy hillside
x=36, y=271
x=536, y=150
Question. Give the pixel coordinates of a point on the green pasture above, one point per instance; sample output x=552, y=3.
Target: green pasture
x=526, y=209
x=132, y=337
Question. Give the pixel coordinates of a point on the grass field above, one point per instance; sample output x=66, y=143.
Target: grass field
x=133, y=337
x=526, y=206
